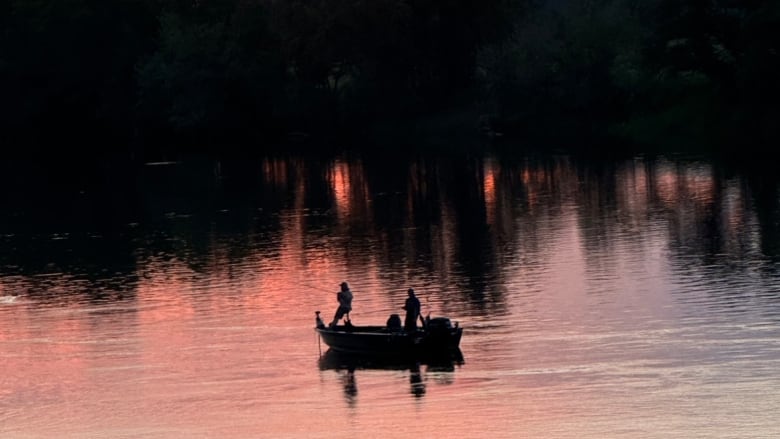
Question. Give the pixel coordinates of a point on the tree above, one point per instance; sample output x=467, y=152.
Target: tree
x=69, y=66
x=216, y=70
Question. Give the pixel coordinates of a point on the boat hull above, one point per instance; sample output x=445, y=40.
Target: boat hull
x=381, y=341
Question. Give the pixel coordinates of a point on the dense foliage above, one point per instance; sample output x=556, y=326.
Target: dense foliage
x=673, y=72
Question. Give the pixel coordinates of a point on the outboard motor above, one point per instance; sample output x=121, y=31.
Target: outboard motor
x=439, y=325
x=442, y=334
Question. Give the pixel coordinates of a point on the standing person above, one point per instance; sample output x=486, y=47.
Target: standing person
x=412, y=308
x=345, y=304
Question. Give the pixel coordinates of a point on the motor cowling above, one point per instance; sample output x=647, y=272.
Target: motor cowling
x=439, y=324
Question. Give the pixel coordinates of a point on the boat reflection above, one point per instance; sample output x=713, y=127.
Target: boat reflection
x=348, y=364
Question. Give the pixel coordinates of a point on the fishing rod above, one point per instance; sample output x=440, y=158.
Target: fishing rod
x=319, y=337
x=427, y=307
x=304, y=284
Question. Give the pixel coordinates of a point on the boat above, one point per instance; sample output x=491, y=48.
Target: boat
x=437, y=336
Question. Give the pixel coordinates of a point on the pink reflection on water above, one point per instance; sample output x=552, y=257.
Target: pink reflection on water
x=489, y=190
x=229, y=353
x=677, y=183
x=350, y=190
x=633, y=187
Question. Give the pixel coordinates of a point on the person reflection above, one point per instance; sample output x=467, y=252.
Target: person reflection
x=350, y=386
x=416, y=381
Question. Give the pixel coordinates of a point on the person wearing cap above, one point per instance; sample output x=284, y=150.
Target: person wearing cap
x=412, y=307
x=345, y=304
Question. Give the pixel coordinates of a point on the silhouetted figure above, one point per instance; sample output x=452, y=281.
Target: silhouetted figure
x=412, y=308
x=345, y=304
x=318, y=321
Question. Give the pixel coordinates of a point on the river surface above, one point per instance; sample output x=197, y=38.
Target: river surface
x=630, y=298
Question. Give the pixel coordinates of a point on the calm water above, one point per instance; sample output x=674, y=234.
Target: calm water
x=632, y=298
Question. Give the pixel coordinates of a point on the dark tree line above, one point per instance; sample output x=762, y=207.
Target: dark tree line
x=656, y=71
x=148, y=71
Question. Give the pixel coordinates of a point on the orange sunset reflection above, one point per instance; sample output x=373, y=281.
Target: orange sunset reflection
x=675, y=183
x=583, y=288
x=489, y=189
x=350, y=189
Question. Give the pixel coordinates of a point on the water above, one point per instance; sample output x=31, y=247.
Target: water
x=631, y=298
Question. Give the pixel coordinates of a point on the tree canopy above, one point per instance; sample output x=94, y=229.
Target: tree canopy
x=694, y=71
